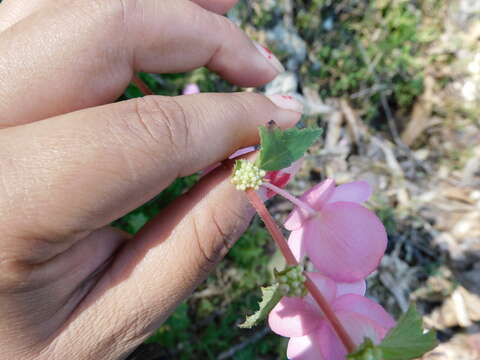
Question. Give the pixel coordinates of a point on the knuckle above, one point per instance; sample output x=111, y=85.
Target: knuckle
x=247, y=105
x=14, y=275
x=160, y=122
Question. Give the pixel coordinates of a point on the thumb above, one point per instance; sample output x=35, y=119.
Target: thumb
x=161, y=267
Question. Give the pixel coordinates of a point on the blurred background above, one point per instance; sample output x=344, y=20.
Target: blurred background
x=396, y=86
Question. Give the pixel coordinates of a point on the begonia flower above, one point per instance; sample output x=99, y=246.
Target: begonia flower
x=311, y=335
x=344, y=240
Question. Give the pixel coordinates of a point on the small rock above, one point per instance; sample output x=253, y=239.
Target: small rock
x=285, y=83
x=287, y=40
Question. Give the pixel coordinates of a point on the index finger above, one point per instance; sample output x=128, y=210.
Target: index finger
x=87, y=52
x=12, y=12
x=109, y=160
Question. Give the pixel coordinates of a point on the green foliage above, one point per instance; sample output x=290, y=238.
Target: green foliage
x=174, y=329
x=366, y=351
x=388, y=219
x=271, y=295
x=359, y=48
x=408, y=340
x=135, y=220
x=173, y=84
x=205, y=326
x=280, y=148
x=371, y=45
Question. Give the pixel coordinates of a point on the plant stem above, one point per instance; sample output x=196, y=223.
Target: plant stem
x=301, y=204
x=140, y=84
x=272, y=227
x=281, y=242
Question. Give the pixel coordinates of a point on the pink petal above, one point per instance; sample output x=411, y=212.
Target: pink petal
x=330, y=345
x=242, y=151
x=360, y=327
x=304, y=348
x=296, y=244
x=366, y=307
x=346, y=242
x=357, y=191
x=293, y=169
x=209, y=169
x=358, y=288
x=316, y=197
x=237, y=153
x=191, y=89
x=293, y=316
x=327, y=286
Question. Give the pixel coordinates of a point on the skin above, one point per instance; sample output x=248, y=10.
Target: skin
x=71, y=161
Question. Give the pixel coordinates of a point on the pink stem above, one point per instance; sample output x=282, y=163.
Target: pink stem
x=140, y=84
x=281, y=242
x=301, y=204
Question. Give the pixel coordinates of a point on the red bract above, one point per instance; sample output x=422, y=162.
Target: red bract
x=280, y=178
x=344, y=240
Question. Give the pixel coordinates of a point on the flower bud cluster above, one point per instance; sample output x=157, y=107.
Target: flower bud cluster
x=371, y=354
x=247, y=175
x=292, y=282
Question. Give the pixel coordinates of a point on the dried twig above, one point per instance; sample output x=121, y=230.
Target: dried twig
x=392, y=124
x=236, y=348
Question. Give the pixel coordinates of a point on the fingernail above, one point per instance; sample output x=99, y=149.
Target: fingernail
x=291, y=110
x=286, y=102
x=272, y=59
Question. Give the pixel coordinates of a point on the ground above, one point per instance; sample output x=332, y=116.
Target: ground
x=396, y=86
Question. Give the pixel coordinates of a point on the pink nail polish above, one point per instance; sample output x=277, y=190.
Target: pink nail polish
x=271, y=58
x=286, y=102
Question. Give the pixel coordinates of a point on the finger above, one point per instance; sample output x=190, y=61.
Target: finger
x=109, y=160
x=12, y=12
x=218, y=6
x=80, y=60
x=161, y=267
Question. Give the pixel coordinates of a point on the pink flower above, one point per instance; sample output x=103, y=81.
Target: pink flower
x=190, y=89
x=236, y=154
x=345, y=240
x=312, y=336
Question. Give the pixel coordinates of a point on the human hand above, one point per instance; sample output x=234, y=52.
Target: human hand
x=71, y=287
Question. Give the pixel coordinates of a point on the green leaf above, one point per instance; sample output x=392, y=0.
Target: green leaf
x=271, y=295
x=280, y=148
x=407, y=340
x=366, y=351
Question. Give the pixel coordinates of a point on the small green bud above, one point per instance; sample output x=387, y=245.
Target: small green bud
x=292, y=281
